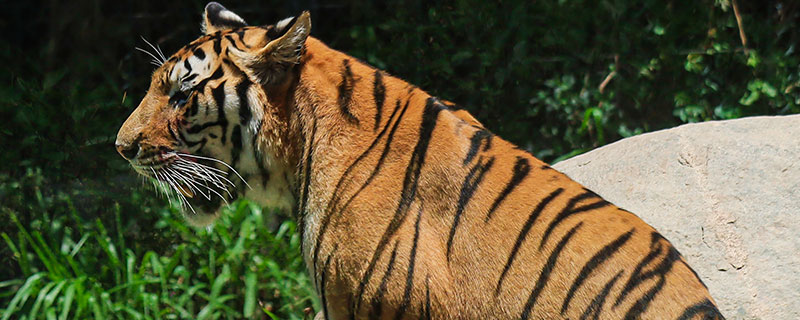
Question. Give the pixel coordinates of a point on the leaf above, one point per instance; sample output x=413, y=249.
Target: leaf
x=249, y=294
x=749, y=98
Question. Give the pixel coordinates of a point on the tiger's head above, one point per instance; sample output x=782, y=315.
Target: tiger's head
x=214, y=123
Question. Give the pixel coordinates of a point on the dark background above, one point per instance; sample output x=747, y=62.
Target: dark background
x=83, y=238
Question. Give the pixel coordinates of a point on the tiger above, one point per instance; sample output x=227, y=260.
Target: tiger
x=407, y=206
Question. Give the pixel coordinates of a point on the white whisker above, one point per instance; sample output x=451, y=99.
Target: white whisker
x=209, y=189
x=181, y=178
x=160, y=183
x=190, y=183
x=181, y=168
x=155, y=60
x=179, y=195
x=160, y=53
x=185, y=183
x=218, y=161
x=163, y=59
x=206, y=174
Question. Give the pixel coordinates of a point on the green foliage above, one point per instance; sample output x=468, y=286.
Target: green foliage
x=82, y=239
x=74, y=268
x=533, y=71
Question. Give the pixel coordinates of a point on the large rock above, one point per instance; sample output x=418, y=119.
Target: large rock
x=726, y=193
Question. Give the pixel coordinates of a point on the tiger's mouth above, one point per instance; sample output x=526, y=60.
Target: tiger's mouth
x=200, y=184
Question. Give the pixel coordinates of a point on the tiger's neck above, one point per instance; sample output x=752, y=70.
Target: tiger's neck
x=342, y=106
x=357, y=127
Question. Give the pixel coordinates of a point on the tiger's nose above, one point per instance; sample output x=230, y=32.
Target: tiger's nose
x=128, y=151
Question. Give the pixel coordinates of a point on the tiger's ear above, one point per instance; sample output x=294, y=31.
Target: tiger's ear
x=216, y=18
x=270, y=63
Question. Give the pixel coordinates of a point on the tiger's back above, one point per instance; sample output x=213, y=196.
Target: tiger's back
x=450, y=221
x=408, y=207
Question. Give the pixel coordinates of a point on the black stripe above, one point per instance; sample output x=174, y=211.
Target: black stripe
x=272, y=33
x=377, y=299
x=202, y=142
x=187, y=66
x=705, y=308
x=222, y=119
x=521, y=170
x=379, y=94
x=262, y=169
x=233, y=42
x=189, y=78
x=570, y=210
x=200, y=127
x=640, y=306
x=236, y=140
x=599, y=258
x=548, y=268
x=346, y=93
x=323, y=276
x=199, y=53
x=523, y=233
x=217, y=74
x=634, y=281
x=217, y=40
x=214, y=76
x=192, y=103
x=475, y=142
x=306, y=174
x=427, y=314
x=657, y=245
x=382, y=157
x=412, y=260
x=172, y=132
x=430, y=116
x=596, y=305
x=637, y=277
x=337, y=194
x=218, y=95
x=240, y=33
x=471, y=182
x=244, y=103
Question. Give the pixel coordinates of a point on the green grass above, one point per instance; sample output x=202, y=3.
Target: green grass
x=73, y=268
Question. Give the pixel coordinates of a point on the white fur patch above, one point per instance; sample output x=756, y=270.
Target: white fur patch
x=229, y=15
x=283, y=23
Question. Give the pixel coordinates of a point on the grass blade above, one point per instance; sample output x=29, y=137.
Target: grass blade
x=22, y=295
x=39, y=299
x=69, y=295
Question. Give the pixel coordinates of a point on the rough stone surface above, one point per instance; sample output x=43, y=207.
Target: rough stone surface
x=726, y=194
